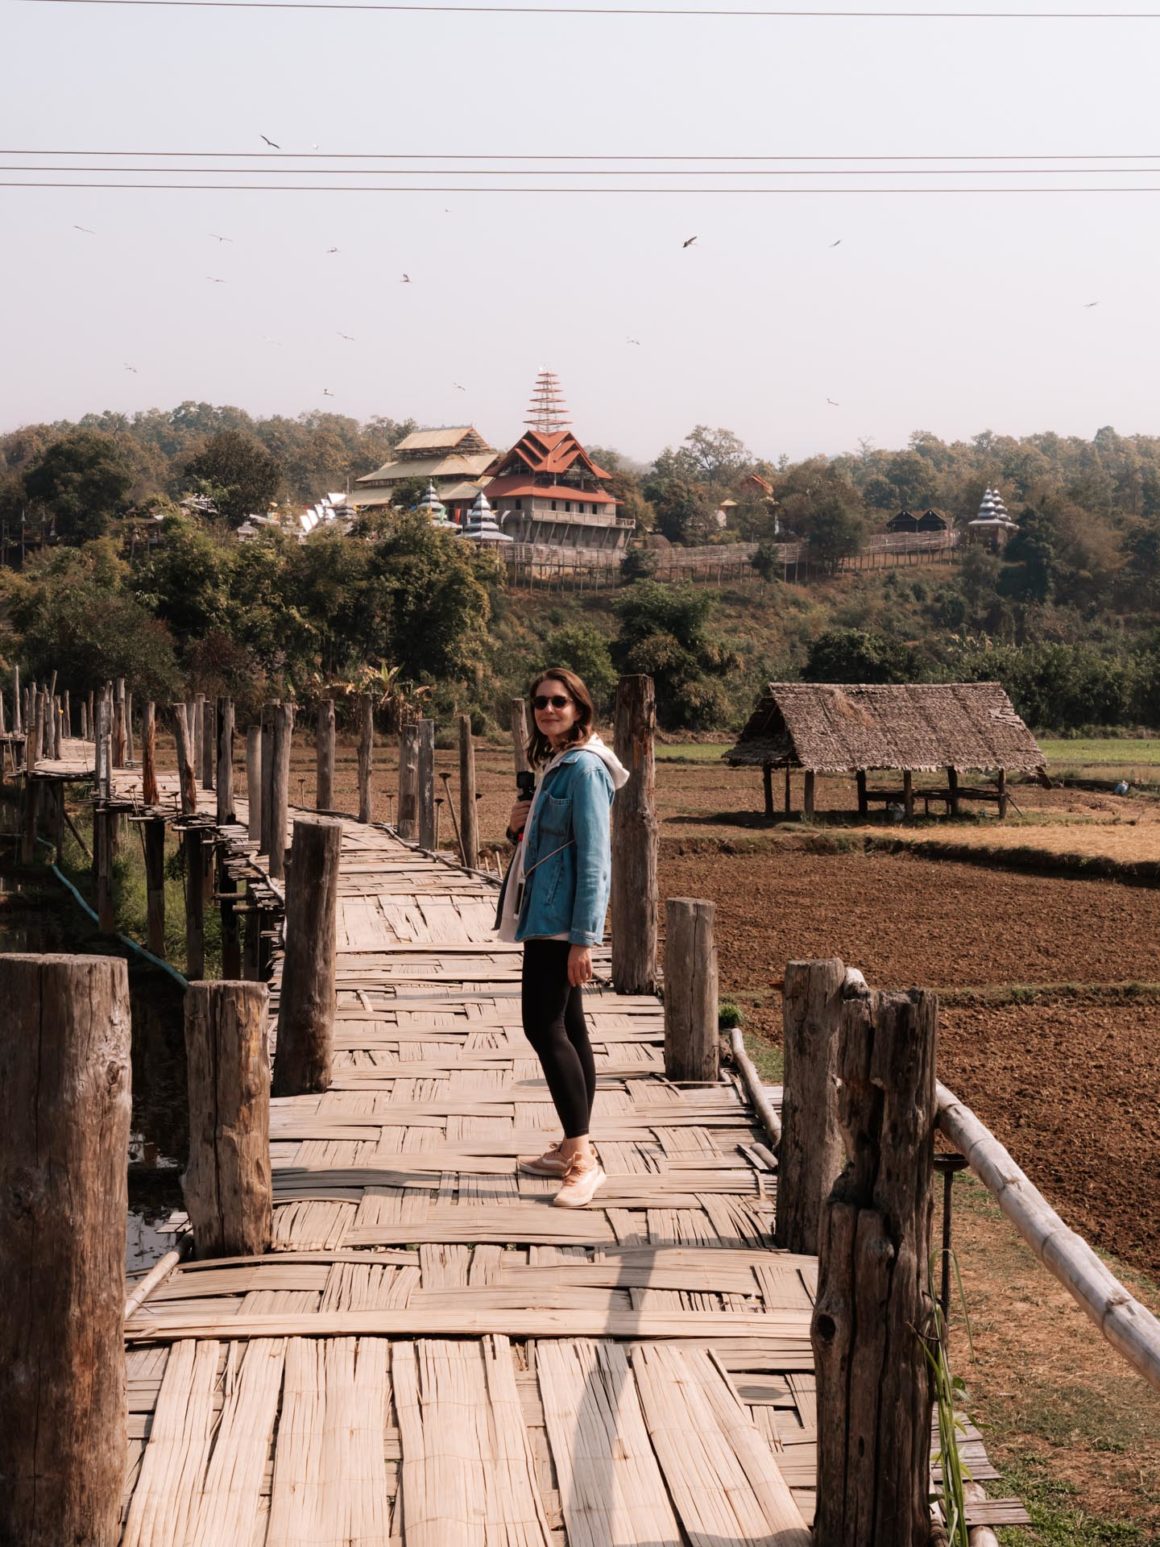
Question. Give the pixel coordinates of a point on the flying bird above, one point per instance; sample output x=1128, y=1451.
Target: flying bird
x=85, y=229
x=457, y=387
x=214, y=281
x=348, y=336
x=218, y=238
x=331, y=249
x=270, y=143
x=838, y=243
x=689, y=242
x=326, y=392
x=406, y=279
x=832, y=404
x=132, y=368
x=632, y=340
x=1087, y=305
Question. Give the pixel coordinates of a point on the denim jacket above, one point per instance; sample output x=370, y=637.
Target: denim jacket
x=568, y=852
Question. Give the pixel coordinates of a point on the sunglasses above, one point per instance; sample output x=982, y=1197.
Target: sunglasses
x=557, y=701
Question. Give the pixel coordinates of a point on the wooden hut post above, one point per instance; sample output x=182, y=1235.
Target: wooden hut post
x=307, y=1004
x=953, y=791
x=366, y=740
x=468, y=816
x=863, y=803
x=227, y=1181
x=691, y=1052
x=908, y=793
x=280, y=788
x=874, y=1384
x=1002, y=786
x=254, y=783
x=149, y=791
x=788, y=791
x=808, y=795
x=155, y=884
x=767, y=787
x=224, y=726
x=634, y=853
x=407, y=807
x=519, y=722
x=267, y=802
x=187, y=783
x=810, y=1154
x=191, y=842
x=119, y=723
x=426, y=782
x=209, y=748
x=64, y=1070
x=324, y=757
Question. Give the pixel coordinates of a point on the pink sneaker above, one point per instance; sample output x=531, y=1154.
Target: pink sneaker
x=551, y=1163
x=580, y=1185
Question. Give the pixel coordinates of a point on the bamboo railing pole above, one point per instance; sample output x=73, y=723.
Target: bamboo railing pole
x=307, y=1004
x=324, y=757
x=1129, y=1327
x=149, y=791
x=634, y=852
x=64, y=1070
x=280, y=788
x=691, y=1052
x=227, y=1181
x=468, y=815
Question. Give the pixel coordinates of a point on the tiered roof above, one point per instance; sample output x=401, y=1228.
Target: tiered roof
x=993, y=512
x=458, y=452
x=542, y=463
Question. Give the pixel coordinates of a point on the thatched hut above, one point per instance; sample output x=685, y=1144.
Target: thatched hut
x=822, y=727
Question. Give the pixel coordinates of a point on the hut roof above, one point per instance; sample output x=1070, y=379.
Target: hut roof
x=838, y=727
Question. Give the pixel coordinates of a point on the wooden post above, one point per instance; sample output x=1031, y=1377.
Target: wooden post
x=908, y=793
x=3, y=722
x=280, y=788
x=155, y=884
x=324, y=757
x=84, y=719
x=187, y=784
x=1002, y=784
x=634, y=853
x=254, y=783
x=224, y=724
x=197, y=733
x=119, y=723
x=57, y=730
x=267, y=775
x=788, y=791
x=227, y=1181
x=251, y=928
x=34, y=741
x=67, y=710
x=129, y=728
x=863, y=803
x=426, y=784
x=874, y=1385
x=468, y=816
x=767, y=787
x=29, y=813
x=519, y=720
x=64, y=1070
x=810, y=1154
x=17, y=720
x=227, y=888
x=104, y=852
x=953, y=791
x=209, y=747
x=808, y=794
x=149, y=791
x=407, y=809
x=306, y=1007
x=191, y=842
x=366, y=740
x=690, y=990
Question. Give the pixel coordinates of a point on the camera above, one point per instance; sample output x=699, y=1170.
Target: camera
x=525, y=784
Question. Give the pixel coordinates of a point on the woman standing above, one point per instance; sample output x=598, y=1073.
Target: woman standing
x=554, y=899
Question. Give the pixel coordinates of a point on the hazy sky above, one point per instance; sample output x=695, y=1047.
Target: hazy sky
x=947, y=313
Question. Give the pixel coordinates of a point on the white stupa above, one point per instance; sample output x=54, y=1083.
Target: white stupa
x=481, y=525
x=992, y=517
x=433, y=508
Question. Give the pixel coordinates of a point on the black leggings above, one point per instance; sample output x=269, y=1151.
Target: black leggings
x=554, y=1024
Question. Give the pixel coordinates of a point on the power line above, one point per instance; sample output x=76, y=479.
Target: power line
x=499, y=171
x=500, y=189
x=609, y=10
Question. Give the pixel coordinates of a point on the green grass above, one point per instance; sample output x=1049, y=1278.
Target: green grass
x=692, y=751
x=1056, y=1520
x=1113, y=752
x=767, y=1059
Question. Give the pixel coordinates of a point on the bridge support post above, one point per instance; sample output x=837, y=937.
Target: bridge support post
x=324, y=757
x=227, y=1181
x=155, y=884
x=810, y=1154
x=468, y=816
x=64, y=1069
x=306, y=1007
x=280, y=788
x=366, y=743
x=871, y=1313
x=427, y=784
x=254, y=783
x=634, y=854
x=186, y=779
x=407, y=809
x=224, y=725
x=192, y=843
x=691, y=1052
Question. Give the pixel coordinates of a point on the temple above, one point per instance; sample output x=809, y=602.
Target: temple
x=451, y=461
x=548, y=488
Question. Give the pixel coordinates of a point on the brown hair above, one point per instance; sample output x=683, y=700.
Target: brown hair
x=539, y=748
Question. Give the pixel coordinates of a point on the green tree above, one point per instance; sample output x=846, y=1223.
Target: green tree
x=238, y=472
x=584, y=650
x=836, y=532
x=82, y=481
x=664, y=634
x=855, y=655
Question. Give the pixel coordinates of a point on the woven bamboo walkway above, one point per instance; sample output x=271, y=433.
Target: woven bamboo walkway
x=434, y=1355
